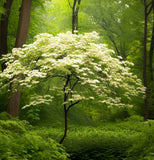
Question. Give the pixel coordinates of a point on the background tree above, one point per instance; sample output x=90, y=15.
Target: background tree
x=4, y=29
x=75, y=12
x=20, y=17
x=14, y=98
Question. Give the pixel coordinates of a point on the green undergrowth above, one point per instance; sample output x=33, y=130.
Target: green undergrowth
x=128, y=140
x=124, y=140
x=17, y=142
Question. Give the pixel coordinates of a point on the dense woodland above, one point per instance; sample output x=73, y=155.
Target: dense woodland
x=76, y=79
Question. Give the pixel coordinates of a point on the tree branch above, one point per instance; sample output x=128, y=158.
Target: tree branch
x=70, y=4
x=72, y=105
x=147, y=5
x=149, y=10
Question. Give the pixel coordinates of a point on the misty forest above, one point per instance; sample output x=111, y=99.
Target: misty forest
x=76, y=79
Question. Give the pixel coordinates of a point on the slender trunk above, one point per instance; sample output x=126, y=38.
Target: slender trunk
x=146, y=113
x=151, y=69
x=114, y=44
x=151, y=52
x=65, y=130
x=73, y=16
x=24, y=20
x=75, y=11
x=4, y=28
x=151, y=57
x=65, y=108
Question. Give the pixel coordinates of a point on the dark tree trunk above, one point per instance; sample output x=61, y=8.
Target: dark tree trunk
x=23, y=25
x=66, y=108
x=146, y=112
x=151, y=49
x=151, y=69
x=73, y=16
x=24, y=21
x=4, y=28
x=65, y=130
x=13, y=103
x=75, y=11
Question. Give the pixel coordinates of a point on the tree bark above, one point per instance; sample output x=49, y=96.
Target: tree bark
x=75, y=11
x=151, y=49
x=24, y=21
x=66, y=108
x=151, y=69
x=3, y=30
x=146, y=112
x=65, y=130
x=23, y=25
x=13, y=103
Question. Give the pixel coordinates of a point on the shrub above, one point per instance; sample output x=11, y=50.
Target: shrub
x=5, y=116
x=135, y=118
x=27, y=146
x=117, y=141
x=13, y=126
x=97, y=143
x=30, y=147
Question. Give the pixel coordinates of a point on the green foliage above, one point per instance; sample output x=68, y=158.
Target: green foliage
x=96, y=143
x=3, y=99
x=118, y=114
x=135, y=118
x=127, y=140
x=30, y=147
x=12, y=126
x=5, y=116
x=32, y=114
x=24, y=145
x=112, y=142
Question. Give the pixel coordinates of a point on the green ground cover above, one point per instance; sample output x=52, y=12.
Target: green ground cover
x=126, y=140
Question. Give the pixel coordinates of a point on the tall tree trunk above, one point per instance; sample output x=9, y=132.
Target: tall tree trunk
x=75, y=11
x=66, y=108
x=65, y=130
x=4, y=28
x=23, y=25
x=146, y=112
x=24, y=21
x=13, y=102
x=151, y=49
x=151, y=69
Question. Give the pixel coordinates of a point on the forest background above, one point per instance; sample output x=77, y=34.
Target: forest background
x=126, y=26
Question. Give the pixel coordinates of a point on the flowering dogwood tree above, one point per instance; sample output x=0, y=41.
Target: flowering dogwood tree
x=85, y=68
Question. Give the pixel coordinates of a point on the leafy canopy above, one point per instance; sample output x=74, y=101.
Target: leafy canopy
x=84, y=68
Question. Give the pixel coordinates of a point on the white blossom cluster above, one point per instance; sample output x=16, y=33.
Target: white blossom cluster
x=92, y=73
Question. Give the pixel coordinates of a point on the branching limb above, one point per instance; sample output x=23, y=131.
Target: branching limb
x=72, y=105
